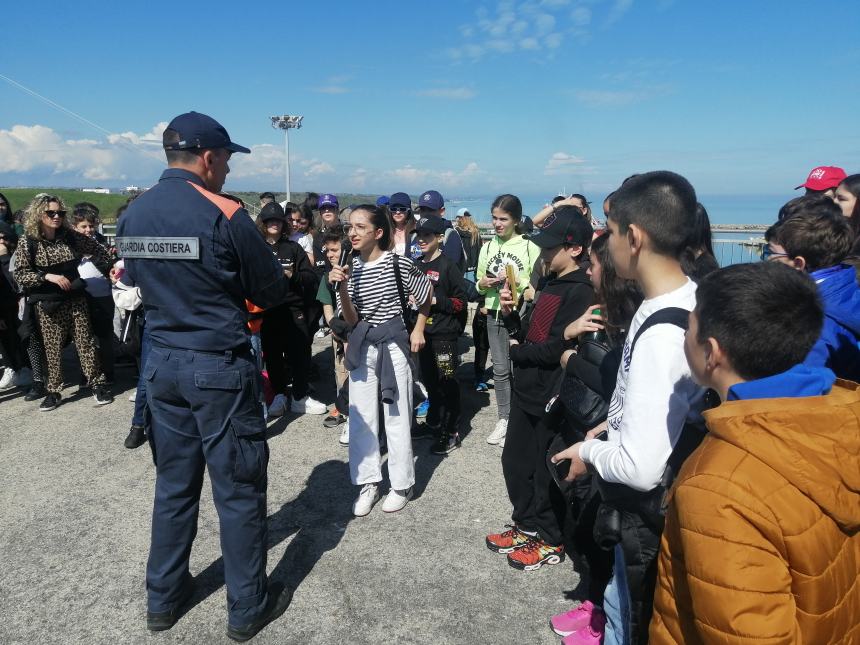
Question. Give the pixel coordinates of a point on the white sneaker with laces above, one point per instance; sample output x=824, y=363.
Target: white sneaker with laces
x=279, y=406
x=497, y=436
x=396, y=500
x=344, y=434
x=23, y=377
x=8, y=377
x=307, y=405
x=368, y=496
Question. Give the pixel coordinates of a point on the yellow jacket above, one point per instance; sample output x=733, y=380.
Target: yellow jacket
x=761, y=543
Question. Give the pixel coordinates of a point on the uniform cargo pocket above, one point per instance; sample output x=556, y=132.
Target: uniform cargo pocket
x=251, y=451
x=231, y=380
x=149, y=370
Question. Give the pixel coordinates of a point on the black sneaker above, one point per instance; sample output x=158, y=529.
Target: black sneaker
x=334, y=420
x=50, y=402
x=446, y=444
x=424, y=431
x=136, y=437
x=163, y=620
x=102, y=395
x=36, y=391
x=279, y=599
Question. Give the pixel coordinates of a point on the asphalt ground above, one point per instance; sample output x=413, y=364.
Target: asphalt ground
x=74, y=536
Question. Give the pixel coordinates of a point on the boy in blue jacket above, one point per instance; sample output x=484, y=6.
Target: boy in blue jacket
x=816, y=240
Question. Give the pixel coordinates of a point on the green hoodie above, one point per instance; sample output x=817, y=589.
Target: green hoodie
x=517, y=251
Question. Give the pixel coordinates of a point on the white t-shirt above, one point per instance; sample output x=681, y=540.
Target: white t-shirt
x=654, y=396
x=98, y=286
x=305, y=240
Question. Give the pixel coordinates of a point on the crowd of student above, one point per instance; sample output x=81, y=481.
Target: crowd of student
x=620, y=353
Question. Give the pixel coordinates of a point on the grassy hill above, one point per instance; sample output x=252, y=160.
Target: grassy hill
x=108, y=204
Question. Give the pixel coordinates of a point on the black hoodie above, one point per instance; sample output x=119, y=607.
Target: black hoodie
x=541, y=339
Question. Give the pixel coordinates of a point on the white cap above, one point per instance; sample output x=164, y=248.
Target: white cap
x=463, y=212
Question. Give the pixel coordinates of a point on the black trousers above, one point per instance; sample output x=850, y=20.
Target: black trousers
x=286, y=338
x=101, y=318
x=14, y=354
x=438, y=361
x=482, y=344
x=537, y=501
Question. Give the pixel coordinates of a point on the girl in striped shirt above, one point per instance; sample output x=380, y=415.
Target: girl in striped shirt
x=378, y=356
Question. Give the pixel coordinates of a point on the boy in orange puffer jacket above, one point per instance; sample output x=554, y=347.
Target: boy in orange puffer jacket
x=761, y=543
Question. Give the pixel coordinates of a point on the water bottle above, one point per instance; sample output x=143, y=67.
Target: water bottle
x=598, y=336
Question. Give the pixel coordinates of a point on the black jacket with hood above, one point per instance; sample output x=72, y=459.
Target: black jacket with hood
x=541, y=339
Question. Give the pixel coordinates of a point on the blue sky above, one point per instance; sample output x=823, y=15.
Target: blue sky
x=469, y=98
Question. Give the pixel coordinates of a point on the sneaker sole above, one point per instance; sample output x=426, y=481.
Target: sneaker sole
x=98, y=403
x=551, y=559
x=48, y=409
x=502, y=549
x=446, y=452
x=560, y=632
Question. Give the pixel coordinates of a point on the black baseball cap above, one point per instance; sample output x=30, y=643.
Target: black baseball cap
x=198, y=131
x=435, y=225
x=400, y=199
x=565, y=226
x=272, y=210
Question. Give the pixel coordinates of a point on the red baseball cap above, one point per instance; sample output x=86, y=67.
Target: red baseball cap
x=824, y=178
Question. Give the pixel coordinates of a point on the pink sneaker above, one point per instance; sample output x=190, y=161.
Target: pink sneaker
x=591, y=634
x=568, y=622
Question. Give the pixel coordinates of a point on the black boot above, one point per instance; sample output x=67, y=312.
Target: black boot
x=278, y=601
x=136, y=437
x=36, y=391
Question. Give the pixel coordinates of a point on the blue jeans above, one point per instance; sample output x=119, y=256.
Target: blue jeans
x=139, y=418
x=616, y=604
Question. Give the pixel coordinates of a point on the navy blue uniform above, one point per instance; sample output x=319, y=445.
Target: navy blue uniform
x=197, y=257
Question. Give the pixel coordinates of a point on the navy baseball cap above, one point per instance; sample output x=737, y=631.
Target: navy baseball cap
x=432, y=200
x=198, y=131
x=432, y=224
x=400, y=199
x=382, y=200
x=327, y=199
x=565, y=226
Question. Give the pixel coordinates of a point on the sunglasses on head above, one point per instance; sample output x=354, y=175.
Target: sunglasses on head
x=53, y=214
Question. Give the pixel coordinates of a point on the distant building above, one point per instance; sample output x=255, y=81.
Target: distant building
x=101, y=191
x=132, y=190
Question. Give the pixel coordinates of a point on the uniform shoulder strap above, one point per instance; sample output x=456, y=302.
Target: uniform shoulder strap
x=666, y=316
x=398, y=278
x=225, y=205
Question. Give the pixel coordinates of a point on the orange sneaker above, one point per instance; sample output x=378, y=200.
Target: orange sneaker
x=508, y=541
x=535, y=554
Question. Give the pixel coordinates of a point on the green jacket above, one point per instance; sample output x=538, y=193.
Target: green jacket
x=495, y=254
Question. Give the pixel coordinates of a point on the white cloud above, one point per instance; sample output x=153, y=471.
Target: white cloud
x=409, y=177
x=451, y=93
x=319, y=168
x=331, y=89
x=619, y=8
x=581, y=16
x=562, y=163
x=38, y=154
x=620, y=98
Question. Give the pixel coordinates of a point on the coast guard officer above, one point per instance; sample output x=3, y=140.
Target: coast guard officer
x=196, y=257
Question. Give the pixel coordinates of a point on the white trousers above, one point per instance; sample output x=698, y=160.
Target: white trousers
x=364, y=457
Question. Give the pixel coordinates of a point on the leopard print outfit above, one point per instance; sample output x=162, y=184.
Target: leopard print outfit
x=71, y=317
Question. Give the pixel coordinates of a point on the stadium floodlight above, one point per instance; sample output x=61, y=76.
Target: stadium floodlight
x=286, y=122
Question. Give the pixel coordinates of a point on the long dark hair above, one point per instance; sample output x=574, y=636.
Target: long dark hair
x=698, y=259
x=512, y=205
x=621, y=297
x=9, y=217
x=852, y=184
x=379, y=219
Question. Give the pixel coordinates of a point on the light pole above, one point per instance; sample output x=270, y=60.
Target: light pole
x=285, y=122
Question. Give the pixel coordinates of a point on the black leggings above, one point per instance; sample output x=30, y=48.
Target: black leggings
x=10, y=342
x=285, y=337
x=482, y=344
x=438, y=360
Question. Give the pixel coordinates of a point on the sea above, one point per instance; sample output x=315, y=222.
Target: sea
x=726, y=210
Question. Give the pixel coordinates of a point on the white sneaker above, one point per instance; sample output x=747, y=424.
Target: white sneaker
x=278, y=408
x=132, y=396
x=7, y=379
x=307, y=405
x=368, y=496
x=322, y=333
x=23, y=377
x=396, y=500
x=344, y=434
x=497, y=436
